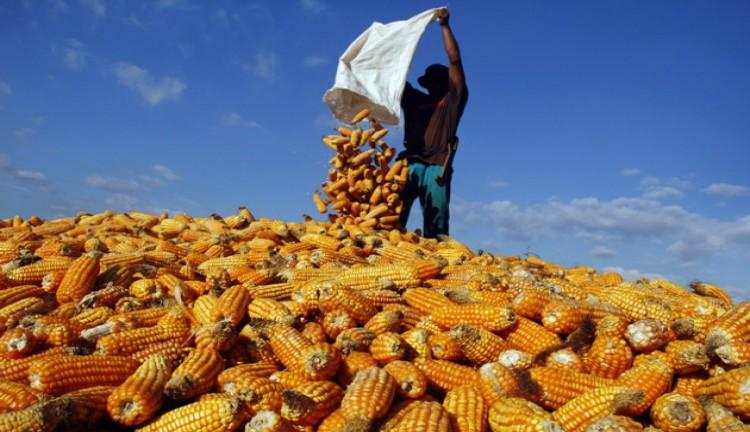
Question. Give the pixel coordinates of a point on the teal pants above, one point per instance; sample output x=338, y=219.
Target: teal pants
x=433, y=198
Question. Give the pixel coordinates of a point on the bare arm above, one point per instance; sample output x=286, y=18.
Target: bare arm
x=455, y=69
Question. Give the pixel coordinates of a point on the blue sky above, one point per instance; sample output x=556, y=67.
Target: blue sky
x=602, y=133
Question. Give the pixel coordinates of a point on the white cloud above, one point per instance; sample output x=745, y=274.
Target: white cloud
x=5, y=89
x=662, y=192
x=499, y=184
x=633, y=274
x=603, y=252
x=152, y=90
x=73, y=54
x=60, y=5
x=23, y=133
x=164, y=4
x=313, y=6
x=264, y=66
x=314, y=60
x=134, y=21
x=726, y=190
x=629, y=172
x=112, y=184
x=122, y=202
x=97, y=7
x=234, y=119
x=682, y=233
x=165, y=172
x=35, y=178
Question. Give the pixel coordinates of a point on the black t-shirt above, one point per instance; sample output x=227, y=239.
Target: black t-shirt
x=430, y=124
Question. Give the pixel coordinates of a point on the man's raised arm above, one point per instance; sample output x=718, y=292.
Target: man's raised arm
x=455, y=69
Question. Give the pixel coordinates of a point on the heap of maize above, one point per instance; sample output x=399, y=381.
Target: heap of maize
x=133, y=321
x=363, y=187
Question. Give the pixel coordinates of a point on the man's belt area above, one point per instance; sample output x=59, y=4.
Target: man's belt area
x=448, y=163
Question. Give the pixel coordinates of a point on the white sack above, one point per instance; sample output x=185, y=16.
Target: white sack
x=372, y=72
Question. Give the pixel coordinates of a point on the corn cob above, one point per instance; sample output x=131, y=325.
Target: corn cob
x=497, y=382
x=58, y=374
x=526, y=335
x=15, y=396
x=269, y=309
x=314, y=332
x=128, y=342
x=647, y=335
x=609, y=356
x=88, y=407
x=231, y=305
x=384, y=321
x=353, y=363
x=615, y=423
x=216, y=414
x=354, y=339
x=492, y=318
x=412, y=382
x=444, y=347
x=733, y=325
x=11, y=295
x=269, y=421
x=44, y=416
x=368, y=397
x=387, y=276
x=478, y=345
x=18, y=343
x=425, y=300
x=195, y=375
x=333, y=422
x=653, y=378
x=720, y=419
x=673, y=412
x=388, y=347
x=425, y=416
x=288, y=345
x=446, y=375
x=707, y=289
x=277, y=291
x=565, y=359
x=13, y=313
x=310, y=402
x=34, y=273
x=257, y=393
x=729, y=389
x=576, y=414
x=137, y=399
x=552, y=388
x=467, y=408
x=515, y=414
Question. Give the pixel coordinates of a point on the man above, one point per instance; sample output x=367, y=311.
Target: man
x=430, y=124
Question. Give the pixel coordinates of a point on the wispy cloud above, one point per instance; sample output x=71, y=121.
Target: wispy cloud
x=166, y=4
x=23, y=133
x=72, y=52
x=133, y=20
x=33, y=178
x=313, y=6
x=662, y=192
x=726, y=190
x=5, y=89
x=630, y=172
x=681, y=233
x=112, y=184
x=165, y=172
x=499, y=184
x=234, y=119
x=264, y=65
x=315, y=60
x=60, y=5
x=97, y=7
x=603, y=252
x=154, y=91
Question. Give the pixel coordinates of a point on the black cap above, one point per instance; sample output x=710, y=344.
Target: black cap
x=435, y=73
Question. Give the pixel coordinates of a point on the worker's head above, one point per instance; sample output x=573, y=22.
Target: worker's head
x=435, y=79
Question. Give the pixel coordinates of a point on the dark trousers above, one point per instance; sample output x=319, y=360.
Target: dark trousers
x=433, y=198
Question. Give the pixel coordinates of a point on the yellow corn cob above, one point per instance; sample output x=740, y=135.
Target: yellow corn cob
x=426, y=417
x=93, y=317
x=729, y=389
x=720, y=419
x=686, y=356
x=257, y=393
x=203, y=308
x=40, y=417
x=277, y=291
x=552, y=388
x=34, y=273
x=734, y=353
x=146, y=289
x=497, y=382
x=368, y=397
x=564, y=317
x=258, y=369
x=361, y=115
x=384, y=321
x=478, y=345
x=615, y=423
x=515, y=414
x=13, y=313
x=444, y=347
x=216, y=336
x=231, y=305
x=388, y=276
x=19, y=342
x=79, y=278
x=526, y=335
x=733, y=325
x=447, y=375
x=88, y=407
x=531, y=301
x=609, y=356
x=269, y=309
x=388, y=347
x=647, y=335
x=310, y=402
x=707, y=289
x=314, y=332
x=576, y=414
x=137, y=399
x=131, y=341
x=319, y=361
x=425, y=300
x=673, y=412
x=334, y=322
x=14, y=294
x=412, y=382
x=492, y=318
x=216, y=414
x=269, y=421
x=288, y=345
x=15, y=396
x=653, y=378
x=354, y=339
x=110, y=260
x=195, y=375
x=58, y=374
x=565, y=359
x=467, y=408
x=333, y=422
